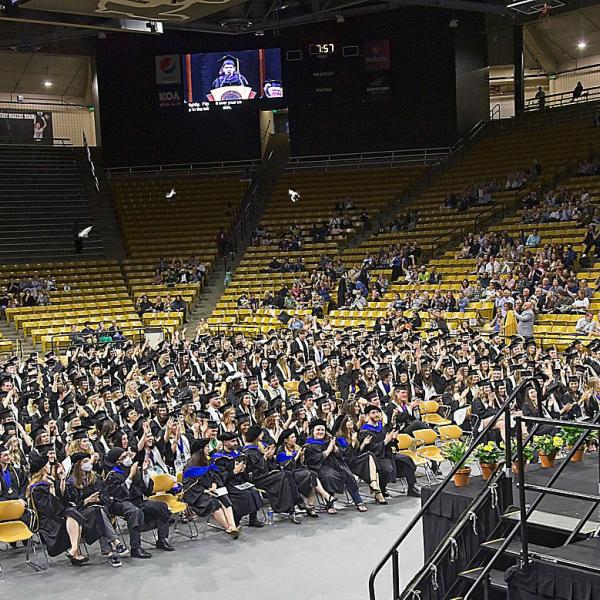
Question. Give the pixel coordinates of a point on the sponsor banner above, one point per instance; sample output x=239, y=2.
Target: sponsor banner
x=378, y=86
x=170, y=98
x=26, y=127
x=168, y=69
x=377, y=55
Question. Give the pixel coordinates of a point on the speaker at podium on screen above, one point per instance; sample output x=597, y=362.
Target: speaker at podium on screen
x=230, y=84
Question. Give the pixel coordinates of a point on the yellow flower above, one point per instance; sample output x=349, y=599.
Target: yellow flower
x=557, y=441
x=489, y=447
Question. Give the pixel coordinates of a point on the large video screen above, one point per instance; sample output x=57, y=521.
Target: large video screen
x=224, y=80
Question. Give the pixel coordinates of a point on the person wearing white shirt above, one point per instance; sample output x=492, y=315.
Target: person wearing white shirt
x=585, y=324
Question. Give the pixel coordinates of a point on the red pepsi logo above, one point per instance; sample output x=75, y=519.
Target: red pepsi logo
x=167, y=65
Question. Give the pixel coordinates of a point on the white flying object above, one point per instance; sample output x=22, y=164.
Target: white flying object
x=294, y=196
x=171, y=194
x=84, y=233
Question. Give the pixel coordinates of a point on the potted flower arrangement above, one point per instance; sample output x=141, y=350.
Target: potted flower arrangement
x=454, y=451
x=570, y=434
x=527, y=455
x=547, y=447
x=488, y=456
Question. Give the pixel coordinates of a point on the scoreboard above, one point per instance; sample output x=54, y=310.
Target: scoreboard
x=333, y=72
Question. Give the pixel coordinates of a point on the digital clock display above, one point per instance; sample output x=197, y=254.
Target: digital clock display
x=322, y=49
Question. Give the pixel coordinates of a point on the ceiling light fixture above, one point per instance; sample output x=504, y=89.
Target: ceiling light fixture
x=47, y=82
x=582, y=45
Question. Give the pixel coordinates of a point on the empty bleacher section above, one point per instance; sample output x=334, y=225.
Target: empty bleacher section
x=171, y=228
x=42, y=204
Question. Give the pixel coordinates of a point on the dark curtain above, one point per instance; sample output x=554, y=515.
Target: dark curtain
x=439, y=519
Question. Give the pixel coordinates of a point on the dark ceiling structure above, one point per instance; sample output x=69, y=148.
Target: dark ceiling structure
x=228, y=17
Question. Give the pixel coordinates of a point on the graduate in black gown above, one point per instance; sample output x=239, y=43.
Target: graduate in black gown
x=290, y=457
x=87, y=493
x=245, y=498
x=60, y=526
x=379, y=443
x=204, y=490
x=129, y=486
x=323, y=456
x=361, y=462
x=279, y=484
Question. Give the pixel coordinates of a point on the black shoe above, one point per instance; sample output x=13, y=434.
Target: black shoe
x=385, y=494
x=301, y=506
x=140, y=553
x=255, y=523
x=121, y=550
x=77, y=562
x=114, y=561
x=311, y=511
x=413, y=492
x=164, y=545
x=294, y=519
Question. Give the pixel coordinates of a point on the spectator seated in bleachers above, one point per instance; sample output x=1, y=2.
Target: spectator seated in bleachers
x=588, y=168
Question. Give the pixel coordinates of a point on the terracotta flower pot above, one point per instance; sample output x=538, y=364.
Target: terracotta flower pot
x=487, y=469
x=547, y=460
x=578, y=455
x=462, y=476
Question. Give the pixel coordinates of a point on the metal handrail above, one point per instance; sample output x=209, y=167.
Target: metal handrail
x=201, y=168
x=29, y=142
x=424, y=156
x=503, y=410
x=591, y=94
x=527, y=510
x=55, y=343
x=446, y=543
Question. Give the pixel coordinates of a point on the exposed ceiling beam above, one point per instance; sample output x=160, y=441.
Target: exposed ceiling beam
x=37, y=17
x=540, y=50
x=466, y=5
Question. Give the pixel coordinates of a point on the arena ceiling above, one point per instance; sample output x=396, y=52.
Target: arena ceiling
x=223, y=16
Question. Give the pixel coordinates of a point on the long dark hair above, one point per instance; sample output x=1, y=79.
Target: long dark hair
x=198, y=459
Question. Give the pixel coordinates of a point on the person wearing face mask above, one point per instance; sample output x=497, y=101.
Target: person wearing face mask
x=128, y=486
x=87, y=493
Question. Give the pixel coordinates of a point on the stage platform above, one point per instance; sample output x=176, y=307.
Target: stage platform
x=559, y=572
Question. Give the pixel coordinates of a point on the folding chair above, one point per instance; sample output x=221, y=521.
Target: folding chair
x=406, y=446
x=429, y=413
x=163, y=484
x=12, y=530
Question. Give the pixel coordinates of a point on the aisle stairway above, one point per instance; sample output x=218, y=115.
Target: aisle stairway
x=42, y=205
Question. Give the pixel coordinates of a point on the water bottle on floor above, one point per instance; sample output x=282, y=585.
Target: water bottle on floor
x=269, y=517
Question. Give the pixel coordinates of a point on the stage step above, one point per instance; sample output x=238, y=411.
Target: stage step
x=556, y=522
x=496, y=578
x=514, y=548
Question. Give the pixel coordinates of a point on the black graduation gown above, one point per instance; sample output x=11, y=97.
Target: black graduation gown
x=279, y=485
x=358, y=462
x=93, y=527
x=17, y=487
x=196, y=482
x=306, y=480
x=52, y=515
x=244, y=501
x=332, y=471
x=383, y=458
x=118, y=493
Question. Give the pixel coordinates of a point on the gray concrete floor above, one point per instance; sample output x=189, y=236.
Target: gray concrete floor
x=326, y=558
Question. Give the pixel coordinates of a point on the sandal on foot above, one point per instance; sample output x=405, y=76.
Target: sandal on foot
x=361, y=508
